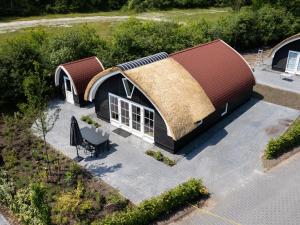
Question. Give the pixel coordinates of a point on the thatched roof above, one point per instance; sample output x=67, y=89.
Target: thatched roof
x=95, y=78
x=177, y=96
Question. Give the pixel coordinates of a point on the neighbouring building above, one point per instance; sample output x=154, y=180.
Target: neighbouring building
x=285, y=56
x=73, y=78
x=169, y=99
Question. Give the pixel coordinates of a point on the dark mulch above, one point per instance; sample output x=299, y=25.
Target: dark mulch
x=277, y=96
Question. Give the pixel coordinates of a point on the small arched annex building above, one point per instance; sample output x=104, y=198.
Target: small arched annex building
x=286, y=55
x=169, y=99
x=73, y=78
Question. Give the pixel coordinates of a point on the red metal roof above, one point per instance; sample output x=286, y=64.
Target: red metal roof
x=219, y=69
x=82, y=71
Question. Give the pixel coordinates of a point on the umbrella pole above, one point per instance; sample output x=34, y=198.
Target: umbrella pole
x=78, y=158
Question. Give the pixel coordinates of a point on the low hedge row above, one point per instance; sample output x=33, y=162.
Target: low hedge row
x=156, y=207
x=286, y=142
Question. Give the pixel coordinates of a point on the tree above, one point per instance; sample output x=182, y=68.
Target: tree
x=35, y=89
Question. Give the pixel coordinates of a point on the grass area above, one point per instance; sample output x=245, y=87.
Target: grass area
x=102, y=28
x=276, y=96
x=179, y=15
x=69, y=15
x=191, y=15
x=160, y=157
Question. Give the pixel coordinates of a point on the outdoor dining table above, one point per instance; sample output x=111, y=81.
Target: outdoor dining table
x=94, y=138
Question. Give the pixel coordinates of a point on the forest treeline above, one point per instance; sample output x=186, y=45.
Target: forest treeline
x=39, y=7
x=38, y=53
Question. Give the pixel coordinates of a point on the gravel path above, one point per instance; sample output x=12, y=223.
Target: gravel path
x=3, y=221
x=17, y=25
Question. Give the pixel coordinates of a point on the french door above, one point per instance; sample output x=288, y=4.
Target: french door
x=130, y=116
x=293, y=62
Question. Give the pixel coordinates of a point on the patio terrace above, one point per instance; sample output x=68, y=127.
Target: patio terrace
x=226, y=156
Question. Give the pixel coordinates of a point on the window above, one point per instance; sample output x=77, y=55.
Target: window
x=293, y=62
x=136, y=118
x=225, y=111
x=124, y=113
x=129, y=87
x=114, y=108
x=68, y=84
x=148, y=122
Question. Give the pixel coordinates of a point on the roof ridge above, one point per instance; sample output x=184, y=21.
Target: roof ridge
x=197, y=46
x=79, y=60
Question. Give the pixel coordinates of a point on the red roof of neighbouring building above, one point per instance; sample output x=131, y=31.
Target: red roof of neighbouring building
x=82, y=71
x=219, y=69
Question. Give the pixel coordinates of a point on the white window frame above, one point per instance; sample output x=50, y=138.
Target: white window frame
x=118, y=123
x=294, y=71
x=125, y=80
x=225, y=112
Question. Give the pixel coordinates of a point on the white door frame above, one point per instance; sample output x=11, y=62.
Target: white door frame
x=294, y=71
x=129, y=128
x=69, y=94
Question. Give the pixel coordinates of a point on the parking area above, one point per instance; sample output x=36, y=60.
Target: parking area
x=227, y=156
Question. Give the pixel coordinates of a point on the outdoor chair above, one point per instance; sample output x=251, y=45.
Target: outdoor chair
x=88, y=148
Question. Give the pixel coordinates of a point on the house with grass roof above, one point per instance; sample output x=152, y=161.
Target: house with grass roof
x=170, y=99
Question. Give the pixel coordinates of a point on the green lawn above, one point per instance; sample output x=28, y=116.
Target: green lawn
x=104, y=28
x=69, y=15
x=191, y=15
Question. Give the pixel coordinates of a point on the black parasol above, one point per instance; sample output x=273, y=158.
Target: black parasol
x=75, y=136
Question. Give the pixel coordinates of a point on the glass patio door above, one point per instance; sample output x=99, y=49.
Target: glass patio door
x=130, y=116
x=293, y=62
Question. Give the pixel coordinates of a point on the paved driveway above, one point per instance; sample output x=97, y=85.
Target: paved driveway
x=227, y=157
x=273, y=198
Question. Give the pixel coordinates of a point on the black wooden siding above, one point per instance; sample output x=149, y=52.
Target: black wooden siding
x=280, y=57
x=115, y=86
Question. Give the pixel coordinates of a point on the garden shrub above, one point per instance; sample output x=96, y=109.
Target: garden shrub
x=160, y=157
x=117, y=200
x=152, y=209
x=72, y=174
x=286, y=142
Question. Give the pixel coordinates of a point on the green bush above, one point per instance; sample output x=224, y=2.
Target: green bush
x=286, y=142
x=160, y=157
x=117, y=200
x=90, y=121
x=152, y=209
x=72, y=174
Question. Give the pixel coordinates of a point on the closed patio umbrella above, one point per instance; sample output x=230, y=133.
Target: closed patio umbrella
x=75, y=137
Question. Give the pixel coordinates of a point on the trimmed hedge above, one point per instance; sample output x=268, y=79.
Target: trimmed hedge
x=286, y=142
x=164, y=204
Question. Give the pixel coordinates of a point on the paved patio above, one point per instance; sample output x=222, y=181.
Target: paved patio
x=272, y=198
x=265, y=76
x=227, y=156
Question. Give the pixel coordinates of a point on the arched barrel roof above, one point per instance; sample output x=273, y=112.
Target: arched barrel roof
x=219, y=69
x=283, y=43
x=80, y=72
